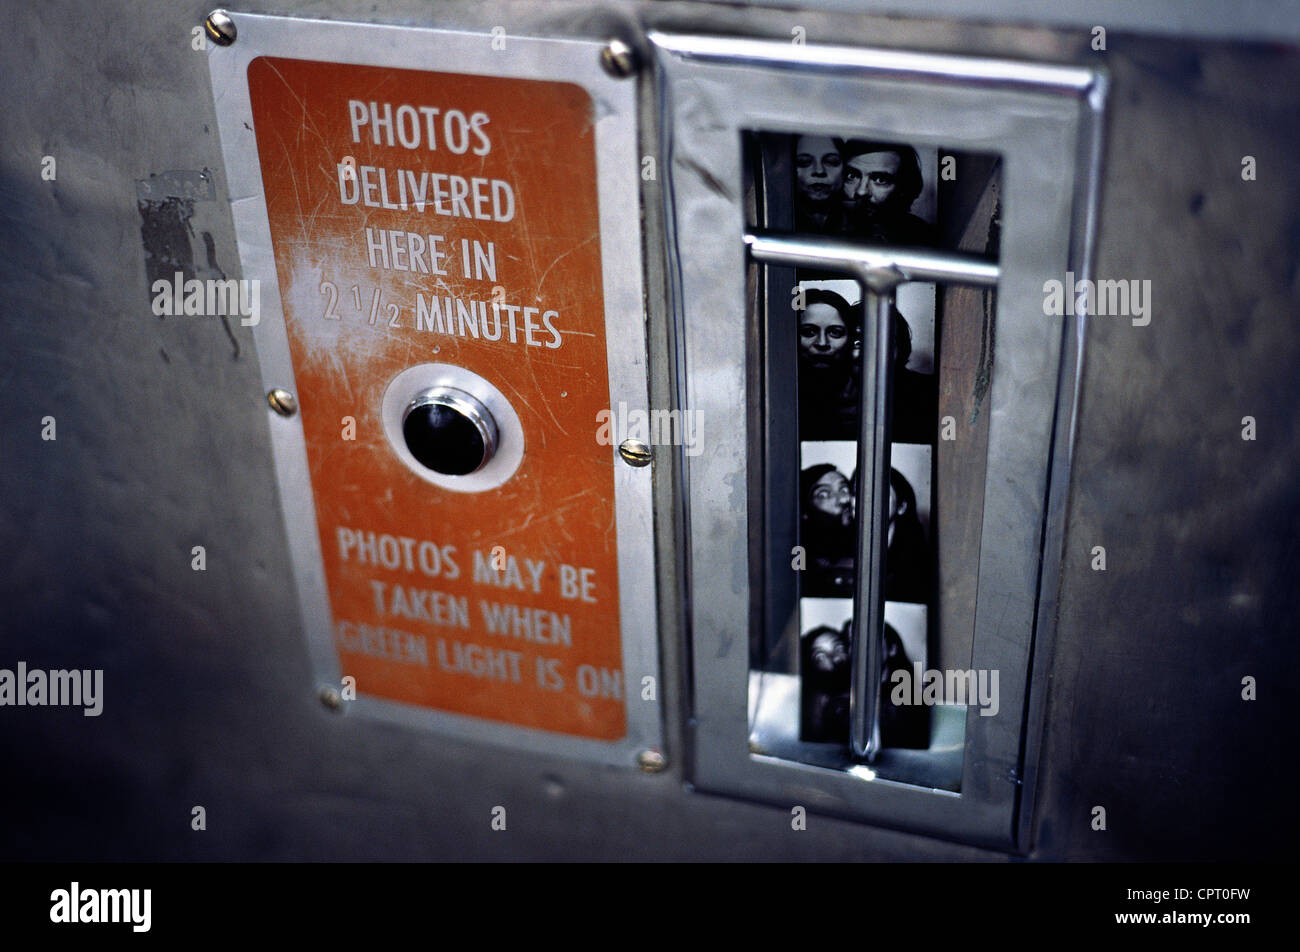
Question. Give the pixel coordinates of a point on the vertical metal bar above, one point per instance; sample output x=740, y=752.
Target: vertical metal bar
x=876, y=411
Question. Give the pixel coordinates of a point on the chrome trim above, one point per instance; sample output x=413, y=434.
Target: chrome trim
x=875, y=414
x=468, y=407
x=894, y=64
x=1255, y=20
x=1040, y=120
x=404, y=390
x=878, y=266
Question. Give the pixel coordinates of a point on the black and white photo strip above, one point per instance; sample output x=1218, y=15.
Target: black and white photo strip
x=827, y=532
x=826, y=626
x=880, y=192
x=830, y=317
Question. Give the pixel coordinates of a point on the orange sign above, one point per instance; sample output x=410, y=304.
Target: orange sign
x=417, y=218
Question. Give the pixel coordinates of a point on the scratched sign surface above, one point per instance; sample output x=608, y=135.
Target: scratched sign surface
x=421, y=217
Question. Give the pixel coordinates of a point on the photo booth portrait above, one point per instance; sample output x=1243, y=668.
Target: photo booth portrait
x=880, y=192
x=826, y=628
x=828, y=513
x=828, y=328
x=825, y=656
x=818, y=184
x=829, y=322
x=828, y=517
x=887, y=192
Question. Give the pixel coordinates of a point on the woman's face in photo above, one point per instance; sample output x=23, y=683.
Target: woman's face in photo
x=832, y=495
x=818, y=168
x=829, y=652
x=823, y=335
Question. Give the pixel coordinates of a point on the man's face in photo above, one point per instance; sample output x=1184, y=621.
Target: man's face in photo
x=871, y=179
x=819, y=170
x=823, y=336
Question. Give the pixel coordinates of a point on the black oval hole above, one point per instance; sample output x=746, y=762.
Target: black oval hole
x=443, y=439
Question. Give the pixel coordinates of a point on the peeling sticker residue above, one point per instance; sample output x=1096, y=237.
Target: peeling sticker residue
x=165, y=201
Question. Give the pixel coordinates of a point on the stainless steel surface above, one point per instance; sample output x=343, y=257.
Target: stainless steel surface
x=209, y=695
x=826, y=59
x=1242, y=20
x=775, y=734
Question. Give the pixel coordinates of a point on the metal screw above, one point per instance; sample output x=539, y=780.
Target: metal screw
x=651, y=761
x=619, y=59
x=282, y=402
x=221, y=29
x=635, y=453
x=330, y=697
